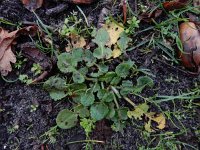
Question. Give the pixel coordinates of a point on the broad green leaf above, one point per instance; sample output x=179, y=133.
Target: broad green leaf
x=123, y=69
x=102, y=52
x=139, y=111
x=126, y=87
x=122, y=113
x=55, y=83
x=82, y=111
x=111, y=112
x=99, y=111
x=87, y=99
x=108, y=77
x=142, y=82
x=102, y=37
x=77, y=54
x=66, y=119
x=66, y=63
x=105, y=95
x=116, y=80
x=78, y=77
x=95, y=87
x=102, y=68
x=123, y=41
x=89, y=58
x=57, y=95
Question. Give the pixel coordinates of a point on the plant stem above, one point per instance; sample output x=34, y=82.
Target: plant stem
x=85, y=141
x=129, y=101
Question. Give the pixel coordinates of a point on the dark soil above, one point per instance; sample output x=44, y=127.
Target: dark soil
x=22, y=129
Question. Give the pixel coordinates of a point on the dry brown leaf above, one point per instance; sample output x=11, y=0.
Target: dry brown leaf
x=5, y=61
x=175, y=4
x=190, y=37
x=114, y=32
x=32, y=4
x=6, y=41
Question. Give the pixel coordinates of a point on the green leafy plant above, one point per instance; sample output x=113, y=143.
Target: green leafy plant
x=93, y=87
x=37, y=69
x=133, y=23
x=25, y=79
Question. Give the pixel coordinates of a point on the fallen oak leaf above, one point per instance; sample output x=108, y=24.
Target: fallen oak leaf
x=5, y=61
x=6, y=41
x=175, y=4
x=190, y=37
x=32, y=4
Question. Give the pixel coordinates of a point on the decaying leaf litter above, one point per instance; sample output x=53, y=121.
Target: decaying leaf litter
x=110, y=49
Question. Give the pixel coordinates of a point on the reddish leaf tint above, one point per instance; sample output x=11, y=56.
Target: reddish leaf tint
x=190, y=38
x=82, y=1
x=125, y=10
x=32, y=4
x=147, y=17
x=175, y=4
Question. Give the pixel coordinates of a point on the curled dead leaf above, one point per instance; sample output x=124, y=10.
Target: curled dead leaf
x=175, y=4
x=190, y=37
x=32, y=4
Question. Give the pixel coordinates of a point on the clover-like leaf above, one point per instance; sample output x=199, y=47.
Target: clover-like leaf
x=122, y=113
x=102, y=52
x=55, y=82
x=66, y=119
x=102, y=68
x=66, y=63
x=142, y=82
x=82, y=111
x=99, y=111
x=126, y=87
x=123, y=69
x=89, y=58
x=87, y=99
x=123, y=41
x=102, y=37
x=57, y=95
x=105, y=95
x=108, y=77
x=78, y=77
